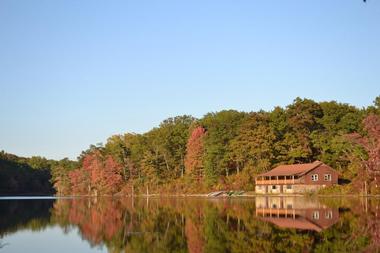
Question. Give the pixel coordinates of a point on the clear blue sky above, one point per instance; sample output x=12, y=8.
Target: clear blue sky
x=72, y=73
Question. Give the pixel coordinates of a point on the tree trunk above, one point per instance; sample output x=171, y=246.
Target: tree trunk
x=166, y=163
x=182, y=166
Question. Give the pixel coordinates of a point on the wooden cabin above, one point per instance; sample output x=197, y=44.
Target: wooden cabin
x=296, y=178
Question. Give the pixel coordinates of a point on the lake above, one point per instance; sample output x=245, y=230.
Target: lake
x=176, y=224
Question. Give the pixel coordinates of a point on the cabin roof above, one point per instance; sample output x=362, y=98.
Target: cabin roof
x=292, y=170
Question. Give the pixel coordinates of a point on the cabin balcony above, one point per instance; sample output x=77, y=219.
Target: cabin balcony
x=278, y=180
x=269, y=212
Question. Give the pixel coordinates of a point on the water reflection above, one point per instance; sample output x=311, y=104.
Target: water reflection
x=263, y=224
x=298, y=213
x=24, y=213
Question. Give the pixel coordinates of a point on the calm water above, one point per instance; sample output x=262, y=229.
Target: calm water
x=263, y=224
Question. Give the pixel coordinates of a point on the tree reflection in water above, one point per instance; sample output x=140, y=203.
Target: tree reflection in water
x=205, y=225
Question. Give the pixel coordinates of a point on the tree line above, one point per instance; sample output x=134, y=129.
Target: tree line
x=227, y=149
x=25, y=176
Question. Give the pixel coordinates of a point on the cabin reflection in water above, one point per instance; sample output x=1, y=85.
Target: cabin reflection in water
x=298, y=213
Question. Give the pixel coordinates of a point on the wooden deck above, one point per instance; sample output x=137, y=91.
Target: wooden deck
x=265, y=212
x=277, y=181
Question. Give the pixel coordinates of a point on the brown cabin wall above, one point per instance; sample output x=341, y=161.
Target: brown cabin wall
x=325, y=218
x=321, y=171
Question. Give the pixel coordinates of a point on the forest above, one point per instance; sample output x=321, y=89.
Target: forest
x=25, y=176
x=222, y=150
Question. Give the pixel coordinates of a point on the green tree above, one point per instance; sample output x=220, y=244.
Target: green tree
x=253, y=147
x=221, y=128
x=295, y=146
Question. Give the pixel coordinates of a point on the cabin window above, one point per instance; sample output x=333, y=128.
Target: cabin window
x=274, y=187
x=327, y=177
x=329, y=215
x=314, y=177
x=289, y=187
x=316, y=215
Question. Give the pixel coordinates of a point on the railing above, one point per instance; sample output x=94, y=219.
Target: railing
x=276, y=212
x=277, y=181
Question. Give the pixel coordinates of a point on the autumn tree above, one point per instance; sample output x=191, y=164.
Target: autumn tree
x=79, y=181
x=112, y=180
x=98, y=175
x=194, y=153
x=370, y=142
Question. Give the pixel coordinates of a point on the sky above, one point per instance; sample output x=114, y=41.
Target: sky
x=73, y=73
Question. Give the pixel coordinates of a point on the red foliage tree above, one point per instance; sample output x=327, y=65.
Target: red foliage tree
x=111, y=176
x=93, y=167
x=79, y=182
x=371, y=144
x=98, y=175
x=194, y=153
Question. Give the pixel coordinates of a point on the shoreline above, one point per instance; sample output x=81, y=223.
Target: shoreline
x=200, y=195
